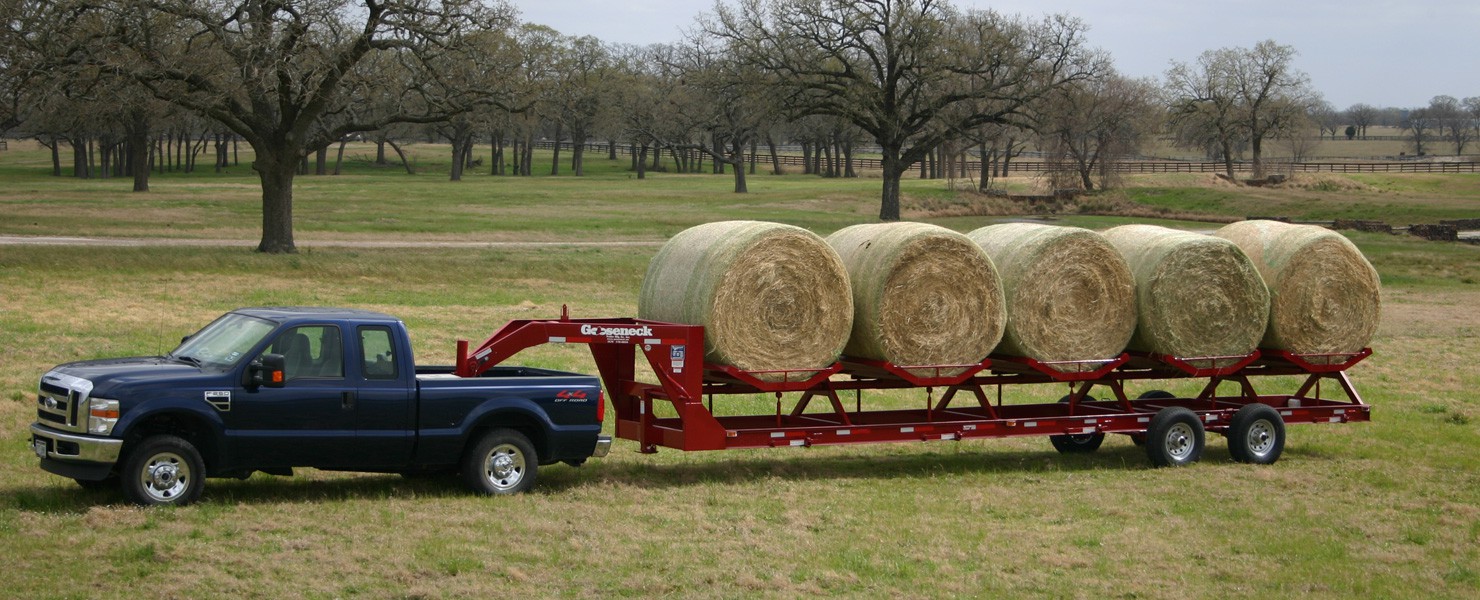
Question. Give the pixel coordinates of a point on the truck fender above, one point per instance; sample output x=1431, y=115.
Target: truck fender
x=515, y=413
x=201, y=428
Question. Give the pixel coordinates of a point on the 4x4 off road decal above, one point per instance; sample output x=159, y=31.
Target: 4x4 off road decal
x=220, y=400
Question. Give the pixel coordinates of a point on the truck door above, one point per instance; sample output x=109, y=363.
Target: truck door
x=307, y=422
x=384, y=408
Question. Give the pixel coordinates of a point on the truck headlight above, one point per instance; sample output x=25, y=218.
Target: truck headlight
x=102, y=415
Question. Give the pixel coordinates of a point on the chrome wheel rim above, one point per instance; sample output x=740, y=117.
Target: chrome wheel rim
x=165, y=476
x=504, y=467
x=1261, y=438
x=1180, y=441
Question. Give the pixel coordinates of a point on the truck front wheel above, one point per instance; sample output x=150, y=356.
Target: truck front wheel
x=501, y=462
x=163, y=469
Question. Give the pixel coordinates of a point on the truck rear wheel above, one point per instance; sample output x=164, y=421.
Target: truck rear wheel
x=501, y=462
x=1175, y=438
x=1256, y=434
x=163, y=469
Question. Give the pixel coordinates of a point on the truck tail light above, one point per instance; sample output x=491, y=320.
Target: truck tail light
x=600, y=407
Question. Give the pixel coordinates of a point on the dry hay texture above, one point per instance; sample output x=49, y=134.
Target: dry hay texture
x=1323, y=294
x=769, y=296
x=1196, y=295
x=922, y=295
x=1070, y=294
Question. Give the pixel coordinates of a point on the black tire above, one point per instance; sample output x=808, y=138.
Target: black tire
x=1139, y=439
x=499, y=463
x=1077, y=443
x=163, y=470
x=1256, y=435
x=1175, y=438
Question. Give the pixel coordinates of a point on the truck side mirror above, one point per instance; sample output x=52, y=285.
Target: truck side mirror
x=267, y=371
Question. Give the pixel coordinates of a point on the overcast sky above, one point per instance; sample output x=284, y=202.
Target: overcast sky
x=1385, y=53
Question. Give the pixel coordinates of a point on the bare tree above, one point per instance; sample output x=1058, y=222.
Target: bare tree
x=1362, y=116
x=285, y=75
x=1417, y=124
x=1453, y=121
x=1094, y=124
x=1253, y=93
x=1203, y=106
x=897, y=68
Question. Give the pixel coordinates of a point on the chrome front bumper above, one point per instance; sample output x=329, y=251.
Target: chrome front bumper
x=49, y=443
x=603, y=446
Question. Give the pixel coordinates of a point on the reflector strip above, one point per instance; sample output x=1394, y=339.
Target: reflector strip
x=906, y=429
x=557, y=340
x=844, y=432
x=798, y=442
x=778, y=434
x=1030, y=424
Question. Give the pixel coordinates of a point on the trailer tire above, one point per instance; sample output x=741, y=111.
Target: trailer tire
x=1139, y=439
x=1256, y=434
x=1175, y=437
x=1077, y=443
x=501, y=462
x=163, y=470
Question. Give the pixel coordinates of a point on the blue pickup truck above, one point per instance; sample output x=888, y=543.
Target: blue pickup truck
x=269, y=389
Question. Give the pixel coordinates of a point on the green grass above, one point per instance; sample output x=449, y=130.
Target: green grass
x=1382, y=509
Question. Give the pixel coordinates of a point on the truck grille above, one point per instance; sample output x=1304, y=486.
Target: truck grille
x=60, y=401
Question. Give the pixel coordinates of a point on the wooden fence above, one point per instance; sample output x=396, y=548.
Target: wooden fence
x=1139, y=167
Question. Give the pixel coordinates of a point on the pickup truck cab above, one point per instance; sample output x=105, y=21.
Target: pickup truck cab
x=269, y=389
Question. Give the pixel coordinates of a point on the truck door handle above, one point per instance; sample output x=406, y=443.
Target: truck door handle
x=347, y=400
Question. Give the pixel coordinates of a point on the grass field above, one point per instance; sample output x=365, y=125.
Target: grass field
x=1389, y=508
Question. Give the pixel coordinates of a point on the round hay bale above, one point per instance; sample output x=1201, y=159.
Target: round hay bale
x=1070, y=294
x=1196, y=295
x=1323, y=294
x=769, y=296
x=922, y=295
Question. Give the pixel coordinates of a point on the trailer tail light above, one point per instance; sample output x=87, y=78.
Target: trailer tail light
x=600, y=407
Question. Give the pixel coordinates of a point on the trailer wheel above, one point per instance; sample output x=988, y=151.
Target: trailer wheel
x=1139, y=439
x=501, y=462
x=1256, y=434
x=1077, y=443
x=1175, y=437
x=163, y=470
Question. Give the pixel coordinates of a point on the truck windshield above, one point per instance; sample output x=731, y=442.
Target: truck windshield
x=224, y=342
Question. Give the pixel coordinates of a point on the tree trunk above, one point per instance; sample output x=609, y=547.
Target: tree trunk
x=752, y=156
x=459, y=162
x=737, y=156
x=639, y=159
x=611, y=149
x=1256, y=148
x=632, y=151
x=380, y=152
x=105, y=148
x=775, y=157
x=806, y=158
x=719, y=166
x=138, y=143
x=1228, y=158
x=578, y=154
x=893, y=170
x=56, y=158
x=402, y=154
x=339, y=156
x=555, y=164
x=984, y=182
x=276, y=172
x=848, y=160
x=321, y=161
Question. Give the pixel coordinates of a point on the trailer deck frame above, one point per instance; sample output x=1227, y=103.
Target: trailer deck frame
x=964, y=410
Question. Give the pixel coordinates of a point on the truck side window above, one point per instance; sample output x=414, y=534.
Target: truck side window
x=378, y=353
x=311, y=351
